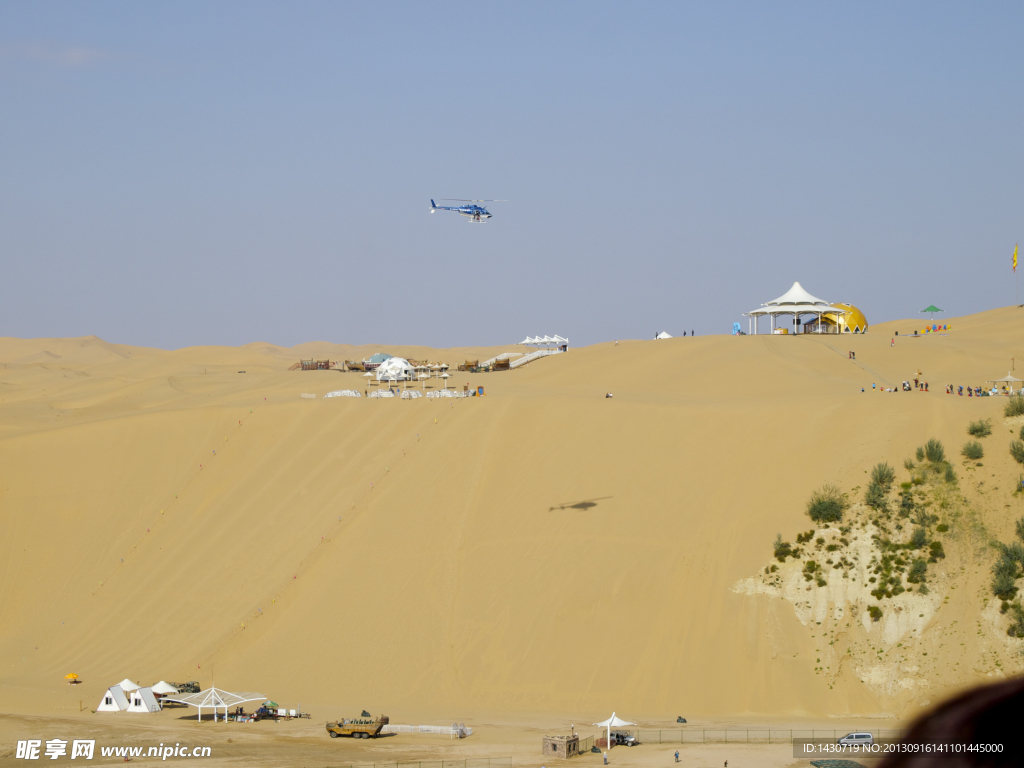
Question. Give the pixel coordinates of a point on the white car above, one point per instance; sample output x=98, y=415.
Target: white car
x=858, y=738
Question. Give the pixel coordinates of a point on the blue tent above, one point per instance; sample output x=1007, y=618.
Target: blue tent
x=380, y=357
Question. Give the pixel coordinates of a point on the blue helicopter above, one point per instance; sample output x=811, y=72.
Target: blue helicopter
x=472, y=211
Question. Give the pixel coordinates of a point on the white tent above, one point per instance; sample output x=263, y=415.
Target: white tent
x=128, y=686
x=143, y=700
x=113, y=700
x=163, y=688
x=663, y=335
x=796, y=295
x=796, y=301
x=540, y=341
x=216, y=698
x=612, y=722
x=395, y=369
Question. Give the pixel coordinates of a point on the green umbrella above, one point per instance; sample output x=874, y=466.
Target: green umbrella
x=933, y=309
x=270, y=704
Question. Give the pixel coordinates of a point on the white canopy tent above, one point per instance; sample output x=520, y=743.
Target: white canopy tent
x=215, y=698
x=544, y=341
x=612, y=722
x=796, y=301
x=795, y=295
x=163, y=688
x=663, y=335
x=128, y=686
x=395, y=369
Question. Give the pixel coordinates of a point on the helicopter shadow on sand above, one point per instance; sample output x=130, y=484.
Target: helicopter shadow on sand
x=583, y=506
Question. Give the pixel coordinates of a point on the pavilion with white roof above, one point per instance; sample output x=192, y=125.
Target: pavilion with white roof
x=214, y=698
x=796, y=301
x=544, y=341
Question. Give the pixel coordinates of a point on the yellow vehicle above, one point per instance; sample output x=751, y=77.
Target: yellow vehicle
x=358, y=727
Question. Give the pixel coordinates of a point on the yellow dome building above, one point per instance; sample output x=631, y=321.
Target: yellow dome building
x=851, y=322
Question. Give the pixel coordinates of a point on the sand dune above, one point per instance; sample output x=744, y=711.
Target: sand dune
x=541, y=549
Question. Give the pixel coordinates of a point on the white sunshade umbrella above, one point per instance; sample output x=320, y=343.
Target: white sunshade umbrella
x=445, y=376
x=612, y=722
x=128, y=686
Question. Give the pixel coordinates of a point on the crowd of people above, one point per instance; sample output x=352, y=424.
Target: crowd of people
x=922, y=386
x=977, y=391
x=905, y=386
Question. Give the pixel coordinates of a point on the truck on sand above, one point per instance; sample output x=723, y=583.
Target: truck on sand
x=358, y=727
x=624, y=738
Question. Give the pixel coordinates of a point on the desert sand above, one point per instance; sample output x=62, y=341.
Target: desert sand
x=533, y=558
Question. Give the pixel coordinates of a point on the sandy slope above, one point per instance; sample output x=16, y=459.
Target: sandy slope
x=542, y=549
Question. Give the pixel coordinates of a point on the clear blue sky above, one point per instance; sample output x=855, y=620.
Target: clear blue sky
x=217, y=173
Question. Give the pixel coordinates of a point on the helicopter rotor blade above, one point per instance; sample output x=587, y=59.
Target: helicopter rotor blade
x=462, y=200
